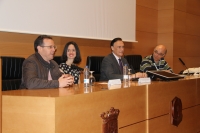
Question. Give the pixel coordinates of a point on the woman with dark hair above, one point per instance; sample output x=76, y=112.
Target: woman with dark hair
x=71, y=57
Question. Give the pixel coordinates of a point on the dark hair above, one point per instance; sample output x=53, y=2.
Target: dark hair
x=64, y=57
x=115, y=40
x=39, y=41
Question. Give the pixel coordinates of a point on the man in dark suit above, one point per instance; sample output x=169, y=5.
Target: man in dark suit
x=111, y=67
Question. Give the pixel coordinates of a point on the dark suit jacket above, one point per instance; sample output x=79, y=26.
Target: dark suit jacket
x=110, y=68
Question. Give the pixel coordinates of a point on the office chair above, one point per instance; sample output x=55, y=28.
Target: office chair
x=11, y=72
x=57, y=59
x=134, y=62
x=94, y=64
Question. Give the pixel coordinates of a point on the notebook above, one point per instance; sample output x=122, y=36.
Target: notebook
x=163, y=75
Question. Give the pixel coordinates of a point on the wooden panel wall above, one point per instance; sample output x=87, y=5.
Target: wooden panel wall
x=181, y=31
x=146, y=27
x=165, y=27
x=186, y=33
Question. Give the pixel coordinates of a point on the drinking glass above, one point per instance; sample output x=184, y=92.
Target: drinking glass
x=91, y=78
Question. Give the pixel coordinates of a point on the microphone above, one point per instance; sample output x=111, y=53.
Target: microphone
x=182, y=61
x=184, y=64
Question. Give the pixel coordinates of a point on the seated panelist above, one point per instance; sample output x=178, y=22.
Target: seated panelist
x=40, y=71
x=156, y=61
x=112, y=64
x=70, y=58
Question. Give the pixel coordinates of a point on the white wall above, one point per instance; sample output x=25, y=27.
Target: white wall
x=95, y=19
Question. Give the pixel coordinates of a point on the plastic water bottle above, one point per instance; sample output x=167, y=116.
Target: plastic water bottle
x=125, y=75
x=86, y=76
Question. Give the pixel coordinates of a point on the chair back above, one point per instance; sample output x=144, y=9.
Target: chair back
x=134, y=62
x=11, y=72
x=57, y=59
x=94, y=64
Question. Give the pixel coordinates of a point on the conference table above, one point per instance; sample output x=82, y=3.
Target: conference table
x=144, y=108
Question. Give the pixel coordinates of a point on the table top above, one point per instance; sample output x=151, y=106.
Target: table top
x=79, y=89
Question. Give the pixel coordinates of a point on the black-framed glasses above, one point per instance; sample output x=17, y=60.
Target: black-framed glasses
x=50, y=47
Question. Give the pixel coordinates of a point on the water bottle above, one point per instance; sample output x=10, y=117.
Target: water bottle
x=86, y=76
x=125, y=75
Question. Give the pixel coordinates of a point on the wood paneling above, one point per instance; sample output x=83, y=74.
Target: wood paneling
x=143, y=108
x=141, y=127
x=179, y=22
x=167, y=40
x=189, y=61
x=165, y=21
x=192, y=61
x=192, y=45
x=28, y=114
x=70, y=111
x=165, y=27
x=166, y=93
x=146, y=27
x=179, y=44
x=22, y=45
x=21, y=38
x=193, y=7
x=180, y=5
x=165, y=4
x=145, y=46
x=182, y=24
x=163, y=123
x=146, y=19
x=146, y=3
x=192, y=24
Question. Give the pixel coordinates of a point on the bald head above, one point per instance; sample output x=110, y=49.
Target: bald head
x=161, y=49
x=159, y=52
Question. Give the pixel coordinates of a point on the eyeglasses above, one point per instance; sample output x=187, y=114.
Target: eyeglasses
x=160, y=54
x=50, y=47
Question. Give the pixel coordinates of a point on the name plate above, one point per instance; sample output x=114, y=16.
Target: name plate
x=114, y=82
x=144, y=80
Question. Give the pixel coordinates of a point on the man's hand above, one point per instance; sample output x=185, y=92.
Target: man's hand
x=66, y=80
x=167, y=71
x=139, y=75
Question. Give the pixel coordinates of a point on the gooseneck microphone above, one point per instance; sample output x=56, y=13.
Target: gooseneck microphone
x=184, y=64
x=182, y=61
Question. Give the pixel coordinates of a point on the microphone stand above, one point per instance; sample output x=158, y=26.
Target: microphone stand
x=184, y=65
